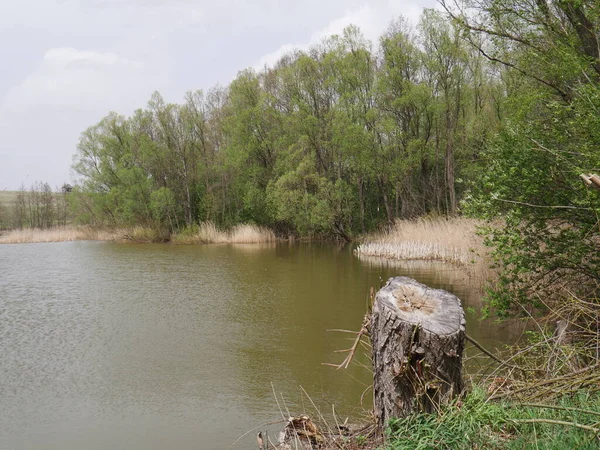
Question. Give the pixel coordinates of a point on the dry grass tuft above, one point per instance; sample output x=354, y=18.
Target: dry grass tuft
x=209, y=233
x=246, y=234
x=561, y=356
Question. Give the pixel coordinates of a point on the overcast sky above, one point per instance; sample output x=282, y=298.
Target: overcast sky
x=64, y=64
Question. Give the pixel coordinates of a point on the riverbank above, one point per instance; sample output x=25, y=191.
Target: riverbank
x=475, y=422
x=542, y=392
x=452, y=241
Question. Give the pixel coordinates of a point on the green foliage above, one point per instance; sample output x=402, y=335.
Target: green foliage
x=530, y=171
x=163, y=206
x=300, y=196
x=532, y=180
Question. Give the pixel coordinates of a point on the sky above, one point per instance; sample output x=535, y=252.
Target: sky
x=65, y=64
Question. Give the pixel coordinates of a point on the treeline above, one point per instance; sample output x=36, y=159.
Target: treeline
x=333, y=141
x=36, y=207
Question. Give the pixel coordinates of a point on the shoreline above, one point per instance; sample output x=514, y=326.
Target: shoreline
x=206, y=233
x=452, y=241
x=55, y=234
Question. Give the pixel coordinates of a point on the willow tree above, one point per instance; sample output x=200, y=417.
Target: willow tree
x=405, y=102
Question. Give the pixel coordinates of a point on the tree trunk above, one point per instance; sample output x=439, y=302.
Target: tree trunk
x=361, y=200
x=386, y=203
x=417, y=335
x=449, y=165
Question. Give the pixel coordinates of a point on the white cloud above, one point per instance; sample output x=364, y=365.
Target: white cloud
x=372, y=21
x=65, y=55
x=70, y=89
x=67, y=63
x=81, y=79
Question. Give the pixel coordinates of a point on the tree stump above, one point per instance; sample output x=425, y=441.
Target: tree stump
x=418, y=337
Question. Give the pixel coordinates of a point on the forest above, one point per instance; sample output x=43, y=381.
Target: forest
x=332, y=142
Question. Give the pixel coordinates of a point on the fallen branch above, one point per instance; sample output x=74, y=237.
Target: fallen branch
x=561, y=408
x=550, y=381
x=558, y=422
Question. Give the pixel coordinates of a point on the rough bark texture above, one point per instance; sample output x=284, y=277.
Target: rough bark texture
x=418, y=337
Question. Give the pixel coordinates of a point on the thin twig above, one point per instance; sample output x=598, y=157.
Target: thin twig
x=491, y=355
x=531, y=205
x=561, y=408
x=277, y=401
x=351, y=351
x=547, y=382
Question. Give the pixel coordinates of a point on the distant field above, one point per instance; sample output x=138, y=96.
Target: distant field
x=7, y=197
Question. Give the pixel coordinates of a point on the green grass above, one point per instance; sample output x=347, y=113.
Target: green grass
x=476, y=423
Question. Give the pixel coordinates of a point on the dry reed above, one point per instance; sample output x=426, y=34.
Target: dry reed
x=561, y=356
x=208, y=233
x=450, y=240
x=246, y=234
x=58, y=234
x=453, y=240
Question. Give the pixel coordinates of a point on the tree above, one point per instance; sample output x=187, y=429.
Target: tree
x=549, y=246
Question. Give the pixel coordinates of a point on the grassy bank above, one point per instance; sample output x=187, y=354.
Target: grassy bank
x=7, y=197
x=475, y=422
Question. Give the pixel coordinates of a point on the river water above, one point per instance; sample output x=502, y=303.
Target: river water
x=117, y=346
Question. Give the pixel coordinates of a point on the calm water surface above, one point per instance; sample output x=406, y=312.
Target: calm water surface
x=114, y=346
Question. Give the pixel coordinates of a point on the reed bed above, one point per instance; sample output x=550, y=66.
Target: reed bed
x=453, y=240
x=209, y=233
x=413, y=251
x=247, y=234
x=58, y=234
x=205, y=233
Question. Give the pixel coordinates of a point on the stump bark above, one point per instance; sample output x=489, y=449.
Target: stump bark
x=418, y=336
